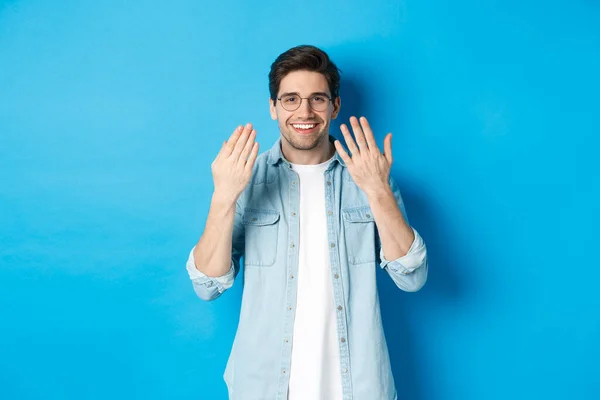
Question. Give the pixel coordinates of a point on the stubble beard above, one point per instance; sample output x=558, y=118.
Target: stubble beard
x=303, y=142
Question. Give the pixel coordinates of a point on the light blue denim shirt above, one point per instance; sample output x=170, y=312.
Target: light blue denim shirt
x=266, y=232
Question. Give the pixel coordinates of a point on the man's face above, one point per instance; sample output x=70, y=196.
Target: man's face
x=304, y=128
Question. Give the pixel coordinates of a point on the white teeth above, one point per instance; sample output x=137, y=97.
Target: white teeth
x=303, y=126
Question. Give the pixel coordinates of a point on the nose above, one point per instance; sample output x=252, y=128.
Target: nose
x=305, y=109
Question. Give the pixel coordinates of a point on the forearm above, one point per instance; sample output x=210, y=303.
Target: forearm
x=212, y=254
x=395, y=233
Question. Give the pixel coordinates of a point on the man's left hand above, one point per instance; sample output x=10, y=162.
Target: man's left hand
x=368, y=167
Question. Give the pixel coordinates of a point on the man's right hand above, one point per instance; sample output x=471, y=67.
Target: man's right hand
x=232, y=168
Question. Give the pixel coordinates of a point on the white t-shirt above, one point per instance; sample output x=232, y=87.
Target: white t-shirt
x=315, y=368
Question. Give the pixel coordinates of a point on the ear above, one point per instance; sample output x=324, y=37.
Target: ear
x=272, y=109
x=337, y=104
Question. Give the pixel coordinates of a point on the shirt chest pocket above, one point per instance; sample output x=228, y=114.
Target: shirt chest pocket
x=261, y=232
x=359, y=231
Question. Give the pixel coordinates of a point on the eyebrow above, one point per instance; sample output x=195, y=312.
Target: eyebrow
x=298, y=94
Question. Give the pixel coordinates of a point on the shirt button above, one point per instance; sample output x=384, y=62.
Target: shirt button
x=291, y=276
x=292, y=245
x=289, y=308
x=329, y=212
x=328, y=183
x=286, y=340
x=345, y=370
x=368, y=215
x=336, y=276
x=332, y=245
x=340, y=308
x=293, y=214
x=343, y=340
x=209, y=283
x=283, y=371
x=254, y=219
x=293, y=182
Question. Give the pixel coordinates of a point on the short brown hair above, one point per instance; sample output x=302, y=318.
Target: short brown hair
x=304, y=58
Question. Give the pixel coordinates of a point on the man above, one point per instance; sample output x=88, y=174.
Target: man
x=313, y=223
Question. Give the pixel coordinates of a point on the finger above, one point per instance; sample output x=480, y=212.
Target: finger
x=366, y=128
x=349, y=141
x=387, y=146
x=248, y=147
x=252, y=158
x=358, y=134
x=241, y=142
x=230, y=143
x=342, y=152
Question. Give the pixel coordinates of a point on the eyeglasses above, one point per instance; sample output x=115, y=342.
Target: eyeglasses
x=318, y=102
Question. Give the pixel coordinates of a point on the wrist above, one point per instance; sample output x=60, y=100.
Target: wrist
x=223, y=200
x=379, y=194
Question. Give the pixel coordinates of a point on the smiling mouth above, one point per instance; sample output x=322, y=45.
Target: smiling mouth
x=305, y=128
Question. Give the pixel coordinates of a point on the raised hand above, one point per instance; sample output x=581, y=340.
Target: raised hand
x=369, y=168
x=232, y=168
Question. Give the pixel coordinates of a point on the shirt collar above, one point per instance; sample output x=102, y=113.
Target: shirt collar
x=275, y=154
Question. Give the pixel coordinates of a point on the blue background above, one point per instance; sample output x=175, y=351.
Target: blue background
x=111, y=113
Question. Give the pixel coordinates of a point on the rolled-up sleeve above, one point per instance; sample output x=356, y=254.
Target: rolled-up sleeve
x=206, y=287
x=409, y=272
x=412, y=260
x=209, y=288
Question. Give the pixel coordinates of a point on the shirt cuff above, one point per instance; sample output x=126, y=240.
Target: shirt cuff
x=223, y=282
x=412, y=260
